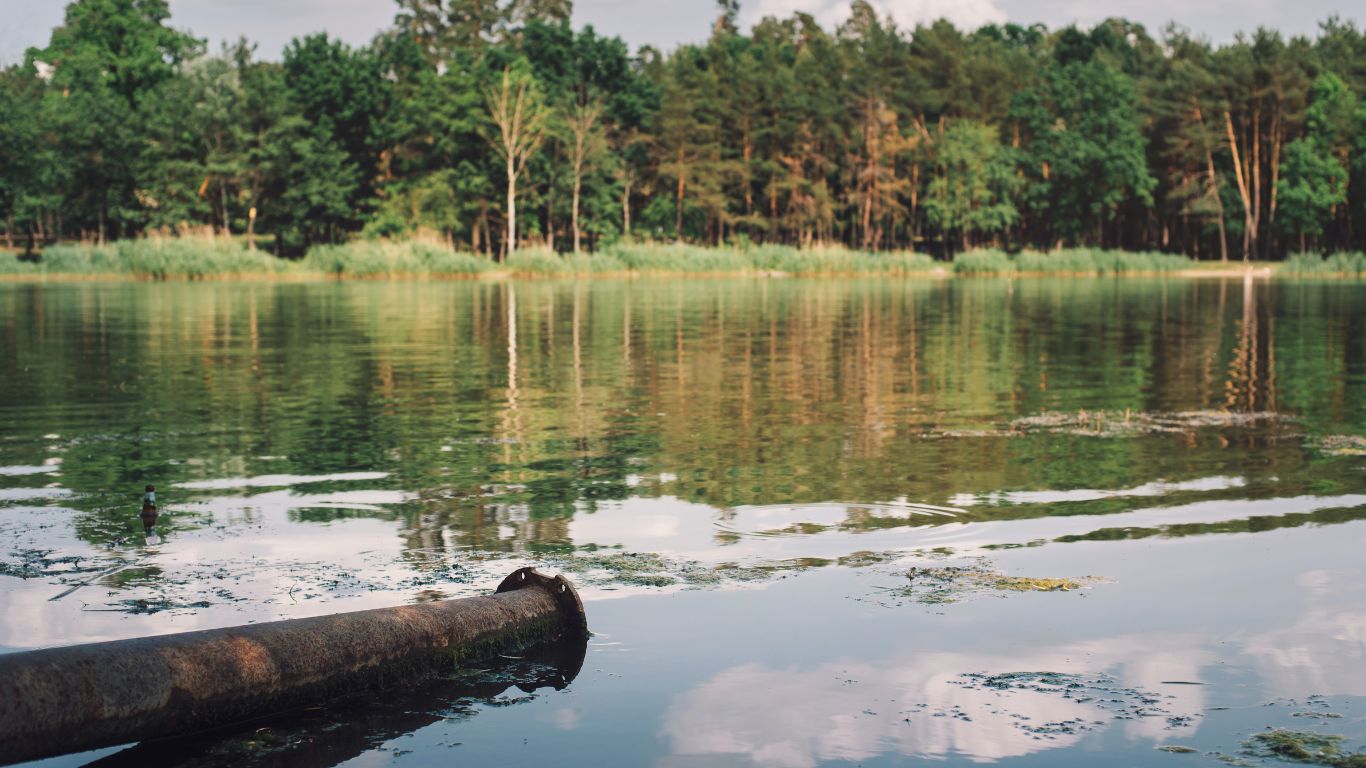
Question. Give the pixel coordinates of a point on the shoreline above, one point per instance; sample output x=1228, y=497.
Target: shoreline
x=1266, y=272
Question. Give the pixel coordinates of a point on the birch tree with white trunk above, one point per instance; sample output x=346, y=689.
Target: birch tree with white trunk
x=519, y=112
x=585, y=128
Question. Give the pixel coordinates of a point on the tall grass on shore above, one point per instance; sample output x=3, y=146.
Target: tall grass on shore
x=1074, y=261
x=157, y=258
x=1348, y=264
x=692, y=259
x=384, y=258
x=203, y=257
x=192, y=258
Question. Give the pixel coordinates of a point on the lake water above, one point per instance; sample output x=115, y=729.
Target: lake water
x=804, y=515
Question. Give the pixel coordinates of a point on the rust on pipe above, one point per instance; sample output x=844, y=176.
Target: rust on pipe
x=62, y=700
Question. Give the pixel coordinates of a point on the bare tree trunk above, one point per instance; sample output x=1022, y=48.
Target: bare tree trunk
x=1277, y=135
x=223, y=201
x=748, y=153
x=1256, y=177
x=583, y=122
x=510, y=239
x=915, y=200
x=251, y=228
x=870, y=170
x=1213, y=178
x=550, y=215
x=626, y=208
x=678, y=200
x=574, y=213
x=517, y=110
x=773, y=209
x=1218, y=203
x=1249, y=221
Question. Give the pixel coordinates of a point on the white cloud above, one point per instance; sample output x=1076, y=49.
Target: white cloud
x=966, y=14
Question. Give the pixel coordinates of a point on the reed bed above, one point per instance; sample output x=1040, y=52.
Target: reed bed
x=155, y=258
x=197, y=258
x=1345, y=264
x=1073, y=261
x=190, y=258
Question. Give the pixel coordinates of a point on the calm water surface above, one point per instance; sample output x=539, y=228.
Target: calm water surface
x=740, y=475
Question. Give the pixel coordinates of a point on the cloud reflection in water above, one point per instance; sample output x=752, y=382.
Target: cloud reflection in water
x=921, y=705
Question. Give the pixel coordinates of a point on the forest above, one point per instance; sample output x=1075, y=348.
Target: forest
x=491, y=126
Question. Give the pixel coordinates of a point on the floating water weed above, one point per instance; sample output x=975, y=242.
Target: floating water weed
x=1341, y=445
x=157, y=605
x=37, y=563
x=1130, y=423
x=1304, y=747
x=950, y=584
x=1102, y=694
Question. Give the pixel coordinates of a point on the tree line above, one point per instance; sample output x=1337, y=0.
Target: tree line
x=492, y=124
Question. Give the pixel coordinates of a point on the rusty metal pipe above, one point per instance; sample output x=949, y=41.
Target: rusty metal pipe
x=63, y=700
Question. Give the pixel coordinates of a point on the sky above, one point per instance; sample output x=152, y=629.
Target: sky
x=666, y=23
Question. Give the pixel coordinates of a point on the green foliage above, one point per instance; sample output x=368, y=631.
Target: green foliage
x=974, y=191
x=1316, y=166
x=1086, y=154
x=865, y=137
x=343, y=94
x=311, y=182
x=1314, y=183
x=125, y=46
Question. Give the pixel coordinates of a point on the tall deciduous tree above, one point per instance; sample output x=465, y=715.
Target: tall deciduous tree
x=973, y=192
x=520, y=116
x=1084, y=154
x=1314, y=184
x=586, y=148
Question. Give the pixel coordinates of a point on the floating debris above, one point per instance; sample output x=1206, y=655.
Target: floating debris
x=1102, y=693
x=949, y=584
x=1128, y=423
x=1177, y=749
x=156, y=605
x=37, y=563
x=1340, y=445
x=1304, y=747
x=643, y=569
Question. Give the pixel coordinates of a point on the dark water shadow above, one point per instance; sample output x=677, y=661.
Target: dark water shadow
x=341, y=730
